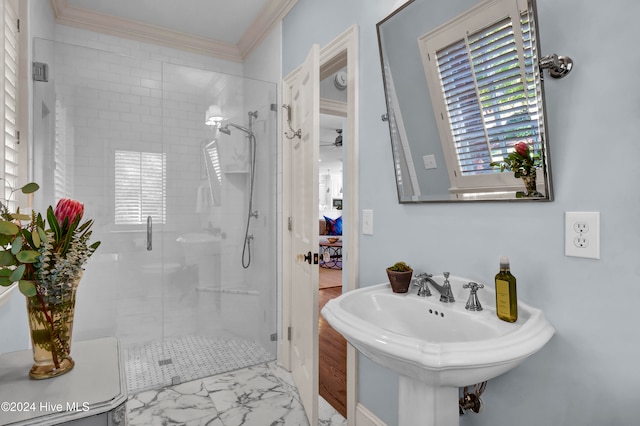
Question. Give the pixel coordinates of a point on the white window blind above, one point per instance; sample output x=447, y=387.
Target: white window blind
x=214, y=158
x=61, y=182
x=491, y=104
x=10, y=100
x=140, y=188
x=214, y=170
x=481, y=82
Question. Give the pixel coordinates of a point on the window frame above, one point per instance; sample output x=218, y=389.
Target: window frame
x=129, y=221
x=471, y=22
x=13, y=155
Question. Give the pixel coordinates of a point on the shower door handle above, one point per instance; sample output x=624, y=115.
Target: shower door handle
x=149, y=233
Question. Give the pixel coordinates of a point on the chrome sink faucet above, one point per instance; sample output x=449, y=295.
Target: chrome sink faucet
x=446, y=295
x=421, y=281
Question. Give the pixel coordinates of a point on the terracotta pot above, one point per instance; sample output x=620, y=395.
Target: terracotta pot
x=399, y=280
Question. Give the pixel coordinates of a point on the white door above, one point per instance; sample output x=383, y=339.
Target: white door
x=303, y=187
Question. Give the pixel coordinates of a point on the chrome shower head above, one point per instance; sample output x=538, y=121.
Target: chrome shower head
x=227, y=131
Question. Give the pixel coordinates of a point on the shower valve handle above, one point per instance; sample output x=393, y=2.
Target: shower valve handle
x=149, y=233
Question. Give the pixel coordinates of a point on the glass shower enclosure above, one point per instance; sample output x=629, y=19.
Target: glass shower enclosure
x=170, y=196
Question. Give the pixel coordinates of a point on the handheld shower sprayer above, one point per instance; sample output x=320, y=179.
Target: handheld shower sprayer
x=246, y=249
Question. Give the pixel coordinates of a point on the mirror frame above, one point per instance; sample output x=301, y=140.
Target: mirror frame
x=544, y=169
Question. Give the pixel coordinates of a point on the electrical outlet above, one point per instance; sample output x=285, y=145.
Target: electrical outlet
x=582, y=234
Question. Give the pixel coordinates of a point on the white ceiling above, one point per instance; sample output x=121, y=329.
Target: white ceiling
x=223, y=20
x=229, y=29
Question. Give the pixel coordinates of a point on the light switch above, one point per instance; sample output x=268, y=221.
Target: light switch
x=429, y=162
x=367, y=222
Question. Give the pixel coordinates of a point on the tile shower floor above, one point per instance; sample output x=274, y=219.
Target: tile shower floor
x=191, y=357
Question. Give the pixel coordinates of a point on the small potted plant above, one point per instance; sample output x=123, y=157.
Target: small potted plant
x=400, y=277
x=523, y=162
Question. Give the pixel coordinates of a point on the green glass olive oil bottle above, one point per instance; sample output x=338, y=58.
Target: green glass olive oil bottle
x=506, y=298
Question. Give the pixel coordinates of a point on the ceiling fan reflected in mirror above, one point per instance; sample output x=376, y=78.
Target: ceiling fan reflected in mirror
x=335, y=144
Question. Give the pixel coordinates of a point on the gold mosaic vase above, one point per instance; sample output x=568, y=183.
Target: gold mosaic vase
x=530, y=187
x=51, y=326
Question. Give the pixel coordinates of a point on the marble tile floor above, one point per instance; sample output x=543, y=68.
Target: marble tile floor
x=260, y=395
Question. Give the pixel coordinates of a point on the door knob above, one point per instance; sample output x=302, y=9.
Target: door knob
x=307, y=258
x=304, y=258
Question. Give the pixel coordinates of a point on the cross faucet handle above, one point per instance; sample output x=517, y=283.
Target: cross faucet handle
x=473, y=304
x=473, y=286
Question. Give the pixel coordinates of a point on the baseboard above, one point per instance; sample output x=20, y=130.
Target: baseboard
x=364, y=417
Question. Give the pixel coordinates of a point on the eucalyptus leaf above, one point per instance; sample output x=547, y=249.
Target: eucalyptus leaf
x=30, y=188
x=43, y=235
x=28, y=256
x=35, y=236
x=4, y=277
x=17, y=273
x=8, y=228
x=19, y=216
x=16, y=246
x=6, y=259
x=27, y=288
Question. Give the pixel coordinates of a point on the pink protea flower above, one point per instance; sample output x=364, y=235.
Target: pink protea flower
x=68, y=209
x=522, y=148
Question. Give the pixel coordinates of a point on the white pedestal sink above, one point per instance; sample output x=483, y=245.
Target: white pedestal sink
x=435, y=347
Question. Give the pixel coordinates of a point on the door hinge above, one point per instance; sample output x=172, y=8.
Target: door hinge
x=40, y=71
x=18, y=137
x=18, y=25
x=273, y=337
x=290, y=224
x=289, y=331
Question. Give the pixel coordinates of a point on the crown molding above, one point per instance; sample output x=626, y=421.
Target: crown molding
x=271, y=14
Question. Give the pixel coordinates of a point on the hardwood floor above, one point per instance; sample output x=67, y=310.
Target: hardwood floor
x=330, y=278
x=332, y=356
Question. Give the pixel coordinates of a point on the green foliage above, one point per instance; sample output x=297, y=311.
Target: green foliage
x=42, y=260
x=519, y=164
x=400, y=267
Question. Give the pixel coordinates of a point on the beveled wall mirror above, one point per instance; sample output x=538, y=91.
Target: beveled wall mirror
x=465, y=101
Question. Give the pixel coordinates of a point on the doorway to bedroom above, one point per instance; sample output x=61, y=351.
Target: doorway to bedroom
x=332, y=347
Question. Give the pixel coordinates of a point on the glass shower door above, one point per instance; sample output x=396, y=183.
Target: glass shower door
x=219, y=316
x=169, y=196
x=97, y=136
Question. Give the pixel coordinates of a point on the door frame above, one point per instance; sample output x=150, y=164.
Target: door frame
x=343, y=49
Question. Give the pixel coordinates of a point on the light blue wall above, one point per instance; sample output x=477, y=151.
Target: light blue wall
x=588, y=373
